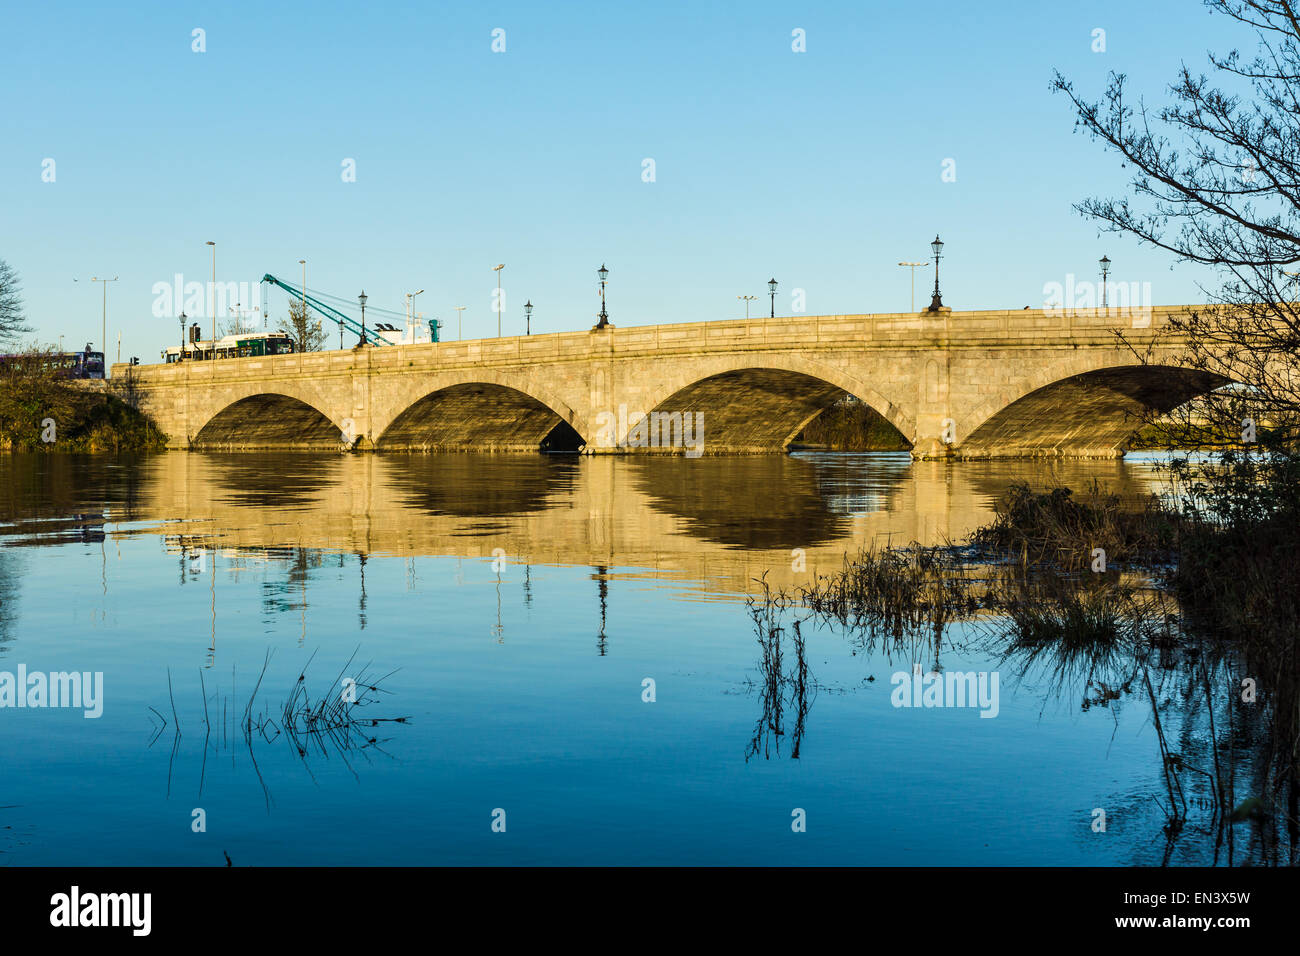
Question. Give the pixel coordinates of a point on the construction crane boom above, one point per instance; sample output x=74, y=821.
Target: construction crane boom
x=328, y=311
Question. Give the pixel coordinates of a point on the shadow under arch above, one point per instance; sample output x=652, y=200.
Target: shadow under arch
x=1092, y=414
x=759, y=408
x=479, y=416
x=268, y=420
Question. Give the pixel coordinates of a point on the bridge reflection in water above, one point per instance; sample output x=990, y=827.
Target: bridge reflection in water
x=714, y=524
x=517, y=697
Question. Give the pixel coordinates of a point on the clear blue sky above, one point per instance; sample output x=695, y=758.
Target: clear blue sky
x=821, y=168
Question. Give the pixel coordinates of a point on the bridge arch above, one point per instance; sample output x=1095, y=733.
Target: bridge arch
x=760, y=403
x=478, y=410
x=1092, y=412
x=267, y=420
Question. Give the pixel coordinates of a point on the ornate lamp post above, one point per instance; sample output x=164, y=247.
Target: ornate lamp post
x=528, y=317
x=1104, y=262
x=937, y=248
x=181, y=357
x=362, y=299
x=604, y=317
x=771, y=290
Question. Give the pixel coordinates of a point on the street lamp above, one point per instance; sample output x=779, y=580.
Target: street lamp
x=181, y=357
x=603, y=273
x=303, y=263
x=913, y=266
x=771, y=289
x=937, y=247
x=1104, y=262
x=459, y=310
x=528, y=317
x=214, y=300
x=497, y=270
x=410, y=319
x=362, y=299
x=748, y=299
x=104, y=315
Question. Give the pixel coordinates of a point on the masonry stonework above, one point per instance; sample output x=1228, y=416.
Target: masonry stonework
x=958, y=384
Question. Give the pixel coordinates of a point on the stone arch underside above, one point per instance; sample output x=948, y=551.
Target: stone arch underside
x=1090, y=415
x=748, y=410
x=477, y=416
x=270, y=421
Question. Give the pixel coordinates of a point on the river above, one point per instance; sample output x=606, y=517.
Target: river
x=565, y=665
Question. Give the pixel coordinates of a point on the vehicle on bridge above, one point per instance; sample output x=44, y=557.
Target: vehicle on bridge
x=84, y=364
x=242, y=345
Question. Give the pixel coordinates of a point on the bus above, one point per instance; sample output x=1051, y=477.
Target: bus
x=84, y=364
x=243, y=345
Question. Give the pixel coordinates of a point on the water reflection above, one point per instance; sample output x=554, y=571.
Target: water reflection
x=1227, y=787
x=475, y=486
x=524, y=600
x=780, y=690
x=345, y=723
x=717, y=522
x=749, y=502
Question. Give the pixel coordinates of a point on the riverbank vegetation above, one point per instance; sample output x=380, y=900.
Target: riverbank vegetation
x=1186, y=612
x=42, y=411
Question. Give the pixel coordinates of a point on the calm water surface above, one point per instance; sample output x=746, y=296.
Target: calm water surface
x=517, y=605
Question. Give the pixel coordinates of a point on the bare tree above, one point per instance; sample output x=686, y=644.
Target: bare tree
x=12, y=324
x=305, y=333
x=1216, y=181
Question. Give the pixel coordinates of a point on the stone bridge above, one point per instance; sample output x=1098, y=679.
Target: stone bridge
x=963, y=384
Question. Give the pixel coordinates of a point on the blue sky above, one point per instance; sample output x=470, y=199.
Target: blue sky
x=820, y=168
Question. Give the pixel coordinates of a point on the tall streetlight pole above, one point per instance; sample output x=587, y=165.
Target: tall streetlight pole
x=528, y=317
x=181, y=357
x=603, y=273
x=748, y=299
x=303, y=263
x=913, y=266
x=459, y=309
x=1104, y=262
x=362, y=299
x=936, y=304
x=214, y=301
x=497, y=270
x=104, y=315
x=771, y=290
x=410, y=322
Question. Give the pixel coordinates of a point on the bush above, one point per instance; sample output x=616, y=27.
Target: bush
x=36, y=404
